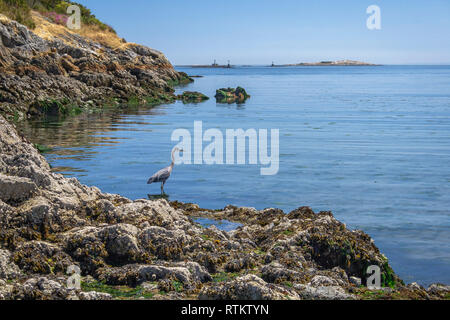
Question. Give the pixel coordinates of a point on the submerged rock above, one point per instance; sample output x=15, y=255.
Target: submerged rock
x=231, y=95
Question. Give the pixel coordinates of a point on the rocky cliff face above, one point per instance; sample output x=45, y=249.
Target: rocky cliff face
x=60, y=72
x=152, y=249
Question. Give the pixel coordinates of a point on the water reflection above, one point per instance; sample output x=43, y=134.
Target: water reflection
x=78, y=138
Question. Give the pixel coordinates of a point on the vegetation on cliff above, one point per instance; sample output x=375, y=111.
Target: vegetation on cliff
x=20, y=11
x=58, y=71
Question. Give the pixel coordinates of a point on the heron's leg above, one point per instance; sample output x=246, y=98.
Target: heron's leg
x=162, y=188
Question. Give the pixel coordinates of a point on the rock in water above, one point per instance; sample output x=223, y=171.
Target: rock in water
x=192, y=97
x=231, y=95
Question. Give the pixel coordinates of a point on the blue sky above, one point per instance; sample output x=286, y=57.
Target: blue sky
x=284, y=31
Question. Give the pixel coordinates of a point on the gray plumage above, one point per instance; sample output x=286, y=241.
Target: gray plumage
x=164, y=174
x=161, y=176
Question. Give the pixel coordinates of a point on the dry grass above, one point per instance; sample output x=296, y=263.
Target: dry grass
x=50, y=31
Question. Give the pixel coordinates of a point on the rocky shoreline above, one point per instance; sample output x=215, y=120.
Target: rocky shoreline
x=61, y=72
x=154, y=250
x=147, y=249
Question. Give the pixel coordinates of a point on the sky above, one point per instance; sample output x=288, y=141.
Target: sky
x=283, y=31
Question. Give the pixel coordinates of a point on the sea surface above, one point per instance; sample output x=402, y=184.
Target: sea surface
x=371, y=144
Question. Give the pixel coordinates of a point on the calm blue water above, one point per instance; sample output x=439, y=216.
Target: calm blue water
x=371, y=144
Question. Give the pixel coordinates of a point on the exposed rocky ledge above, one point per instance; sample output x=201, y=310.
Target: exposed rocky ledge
x=68, y=73
x=153, y=249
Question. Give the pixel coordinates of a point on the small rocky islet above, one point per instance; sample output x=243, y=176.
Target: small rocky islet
x=148, y=249
x=231, y=95
x=192, y=97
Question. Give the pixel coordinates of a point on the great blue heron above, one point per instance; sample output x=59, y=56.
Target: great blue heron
x=164, y=174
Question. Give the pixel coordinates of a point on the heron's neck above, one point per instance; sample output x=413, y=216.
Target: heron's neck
x=173, y=159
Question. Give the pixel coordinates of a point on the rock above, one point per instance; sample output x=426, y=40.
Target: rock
x=120, y=241
x=5, y=290
x=236, y=265
x=415, y=286
x=8, y=269
x=276, y=273
x=231, y=95
x=42, y=289
x=164, y=243
x=189, y=274
x=322, y=293
x=38, y=257
x=249, y=287
x=322, y=281
x=16, y=189
x=192, y=97
x=149, y=286
x=440, y=290
x=356, y=281
x=92, y=295
x=198, y=273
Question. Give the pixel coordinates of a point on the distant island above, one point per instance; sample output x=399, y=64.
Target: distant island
x=214, y=65
x=301, y=64
x=328, y=63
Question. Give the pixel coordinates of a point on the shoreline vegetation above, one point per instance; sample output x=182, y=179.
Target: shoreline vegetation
x=144, y=249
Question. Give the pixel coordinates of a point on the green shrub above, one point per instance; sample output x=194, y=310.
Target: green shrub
x=19, y=10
